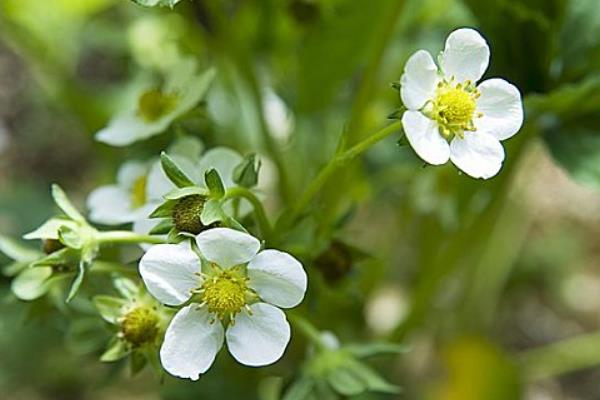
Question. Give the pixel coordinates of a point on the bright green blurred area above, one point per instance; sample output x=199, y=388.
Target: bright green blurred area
x=468, y=273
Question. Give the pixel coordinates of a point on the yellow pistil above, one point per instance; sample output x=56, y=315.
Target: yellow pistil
x=138, y=191
x=154, y=104
x=226, y=293
x=454, y=108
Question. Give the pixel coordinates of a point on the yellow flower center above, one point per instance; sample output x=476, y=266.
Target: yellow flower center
x=138, y=191
x=226, y=293
x=454, y=108
x=154, y=104
x=140, y=326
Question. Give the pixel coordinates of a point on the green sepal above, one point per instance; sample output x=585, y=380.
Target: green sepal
x=164, y=210
x=32, y=283
x=137, y=362
x=16, y=251
x=126, y=287
x=49, y=229
x=70, y=237
x=116, y=350
x=177, y=194
x=246, y=173
x=14, y=268
x=173, y=172
x=76, y=284
x=212, y=212
x=162, y=228
x=62, y=257
x=214, y=183
x=63, y=202
x=110, y=308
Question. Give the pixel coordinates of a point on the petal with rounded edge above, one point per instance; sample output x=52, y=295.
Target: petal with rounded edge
x=170, y=272
x=278, y=278
x=191, y=343
x=479, y=154
x=227, y=247
x=424, y=137
x=466, y=55
x=130, y=172
x=419, y=80
x=502, y=109
x=260, y=338
x=110, y=205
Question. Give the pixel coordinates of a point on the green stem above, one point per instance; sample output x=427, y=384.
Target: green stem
x=259, y=210
x=126, y=237
x=308, y=330
x=562, y=357
x=337, y=162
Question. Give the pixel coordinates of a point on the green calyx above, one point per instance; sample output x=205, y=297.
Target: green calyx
x=186, y=214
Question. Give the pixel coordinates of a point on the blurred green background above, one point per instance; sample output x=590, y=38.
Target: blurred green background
x=472, y=275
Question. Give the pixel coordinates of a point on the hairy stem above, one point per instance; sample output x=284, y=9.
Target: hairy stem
x=127, y=237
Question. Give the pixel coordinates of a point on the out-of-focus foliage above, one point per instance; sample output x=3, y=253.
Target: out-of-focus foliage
x=468, y=275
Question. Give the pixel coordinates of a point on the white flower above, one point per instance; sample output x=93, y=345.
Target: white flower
x=157, y=108
x=234, y=295
x=449, y=117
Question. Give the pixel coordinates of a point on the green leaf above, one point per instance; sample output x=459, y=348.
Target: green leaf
x=63, y=202
x=346, y=382
x=162, y=228
x=109, y=307
x=76, y=284
x=212, y=212
x=373, y=381
x=173, y=172
x=116, y=350
x=32, y=283
x=62, y=257
x=300, y=390
x=16, y=251
x=246, y=173
x=214, y=183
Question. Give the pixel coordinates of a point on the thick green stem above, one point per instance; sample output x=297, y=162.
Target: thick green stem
x=563, y=357
x=259, y=210
x=126, y=237
x=337, y=162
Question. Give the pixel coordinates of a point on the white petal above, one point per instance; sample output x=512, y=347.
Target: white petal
x=191, y=343
x=278, y=278
x=502, y=109
x=169, y=272
x=424, y=137
x=110, y=205
x=419, y=80
x=261, y=338
x=227, y=247
x=466, y=55
x=130, y=172
x=222, y=159
x=126, y=129
x=157, y=184
x=478, y=154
